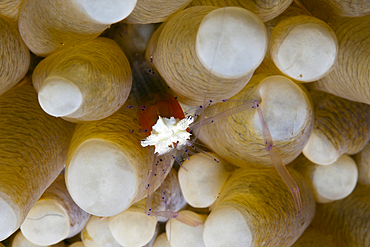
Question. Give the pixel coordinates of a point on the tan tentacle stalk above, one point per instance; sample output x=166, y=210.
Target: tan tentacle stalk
x=154, y=11
x=60, y=244
x=151, y=242
x=97, y=233
x=363, y=163
x=49, y=26
x=347, y=220
x=54, y=217
x=84, y=83
x=182, y=235
x=328, y=183
x=9, y=11
x=291, y=11
x=312, y=237
x=324, y=9
x=349, y=78
x=20, y=241
x=161, y=241
x=256, y=209
x=268, y=66
x=33, y=152
x=185, y=52
x=140, y=35
x=288, y=113
x=303, y=48
x=266, y=10
x=14, y=56
x=134, y=227
x=77, y=244
x=341, y=127
x=152, y=45
x=107, y=167
x=201, y=179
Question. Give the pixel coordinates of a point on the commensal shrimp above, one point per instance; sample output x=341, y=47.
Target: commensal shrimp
x=168, y=130
x=161, y=118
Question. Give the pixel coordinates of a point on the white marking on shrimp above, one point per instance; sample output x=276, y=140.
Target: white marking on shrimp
x=169, y=133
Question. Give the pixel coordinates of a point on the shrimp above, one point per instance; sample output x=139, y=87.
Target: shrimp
x=169, y=131
x=161, y=119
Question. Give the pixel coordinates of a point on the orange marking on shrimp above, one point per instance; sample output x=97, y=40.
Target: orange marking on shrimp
x=164, y=105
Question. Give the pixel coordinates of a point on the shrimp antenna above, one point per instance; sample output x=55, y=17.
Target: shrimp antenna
x=204, y=106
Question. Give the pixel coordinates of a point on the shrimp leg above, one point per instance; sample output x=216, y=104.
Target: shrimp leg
x=178, y=216
x=278, y=163
x=273, y=153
